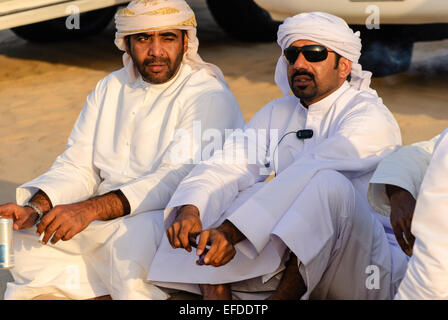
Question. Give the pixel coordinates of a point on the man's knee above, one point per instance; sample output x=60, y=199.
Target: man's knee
x=332, y=179
x=333, y=186
x=142, y=228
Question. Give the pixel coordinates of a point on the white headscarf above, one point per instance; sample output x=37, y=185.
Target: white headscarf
x=328, y=30
x=154, y=15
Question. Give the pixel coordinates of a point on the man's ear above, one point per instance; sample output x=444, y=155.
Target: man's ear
x=127, y=42
x=345, y=67
x=185, y=41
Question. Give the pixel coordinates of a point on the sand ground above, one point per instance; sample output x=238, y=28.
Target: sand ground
x=43, y=89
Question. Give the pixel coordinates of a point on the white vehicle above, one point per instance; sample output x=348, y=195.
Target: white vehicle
x=46, y=20
x=386, y=50
x=354, y=11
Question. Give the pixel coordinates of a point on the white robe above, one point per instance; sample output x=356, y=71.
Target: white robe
x=427, y=273
x=125, y=138
x=353, y=131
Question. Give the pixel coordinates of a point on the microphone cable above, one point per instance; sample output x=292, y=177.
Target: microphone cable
x=300, y=134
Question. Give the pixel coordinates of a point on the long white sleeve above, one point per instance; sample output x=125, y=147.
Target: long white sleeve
x=404, y=168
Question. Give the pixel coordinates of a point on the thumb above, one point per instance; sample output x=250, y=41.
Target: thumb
x=18, y=223
x=203, y=240
x=15, y=226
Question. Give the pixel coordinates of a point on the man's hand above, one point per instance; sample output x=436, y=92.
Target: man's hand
x=402, y=205
x=23, y=217
x=65, y=221
x=222, y=241
x=185, y=228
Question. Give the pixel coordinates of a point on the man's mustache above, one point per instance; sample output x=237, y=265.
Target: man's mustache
x=302, y=73
x=156, y=61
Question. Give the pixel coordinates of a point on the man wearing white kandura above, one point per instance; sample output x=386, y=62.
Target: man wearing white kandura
x=103, y=197
x=410, y=186
x=309, y=232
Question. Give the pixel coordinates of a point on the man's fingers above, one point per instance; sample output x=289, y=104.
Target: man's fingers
x=227, y=258
x=52, y=227
x=69, y=234
x=176, y=228
x=214, y=253
x=399, y=236
x=223, y=254
x=409, y=239
x=192, y=238
x=409, y=236
x=21, y=217
x=46, y=220
x=20, y=222
x=227, y=255
x=59, y=234
x=405, y=232
x=215, y=257
x=203, y=240
x=25, y=221
x=184, y=237
x=220, y=251
x=170, y=235
x=8, y=211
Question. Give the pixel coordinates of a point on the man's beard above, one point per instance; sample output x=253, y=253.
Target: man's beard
x=159, y=77
x=307, y=92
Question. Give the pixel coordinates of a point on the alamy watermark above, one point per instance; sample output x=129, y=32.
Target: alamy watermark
x=373, y=278
x=73, y=21
x=373, y=20
x=73, y=280
x=228, y=146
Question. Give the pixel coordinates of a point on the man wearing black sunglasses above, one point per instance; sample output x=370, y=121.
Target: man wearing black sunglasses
x=309, y=232
x=314, y=71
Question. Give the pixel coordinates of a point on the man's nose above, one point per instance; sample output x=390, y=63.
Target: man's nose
x=155, y=48
x=301, y=62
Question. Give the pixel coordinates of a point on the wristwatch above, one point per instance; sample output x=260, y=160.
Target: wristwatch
x=36, y=208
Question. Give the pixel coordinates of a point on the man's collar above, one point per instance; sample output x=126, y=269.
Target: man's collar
x=324, y=104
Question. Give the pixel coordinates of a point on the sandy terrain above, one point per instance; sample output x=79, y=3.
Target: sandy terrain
x=43, y=88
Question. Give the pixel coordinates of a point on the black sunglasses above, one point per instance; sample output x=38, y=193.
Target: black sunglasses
x=312, y=53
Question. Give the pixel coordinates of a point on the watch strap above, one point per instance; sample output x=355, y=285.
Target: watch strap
x=36, y=208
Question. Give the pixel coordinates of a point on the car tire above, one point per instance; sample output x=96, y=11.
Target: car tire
x=244, y=20
x=91, y=23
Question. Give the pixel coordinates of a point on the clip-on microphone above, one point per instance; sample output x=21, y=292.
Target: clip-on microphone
x=304, y=134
